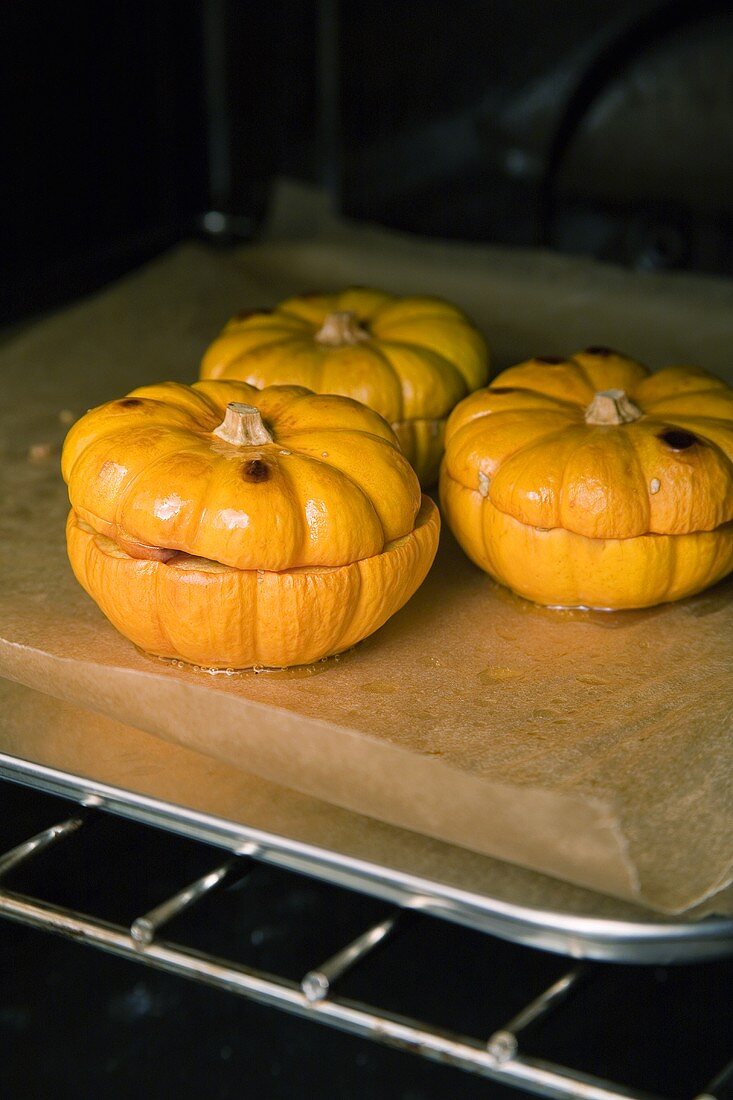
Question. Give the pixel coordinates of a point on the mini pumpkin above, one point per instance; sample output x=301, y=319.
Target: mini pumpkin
x=592, y=482
x=410, y=359
x=229, y=526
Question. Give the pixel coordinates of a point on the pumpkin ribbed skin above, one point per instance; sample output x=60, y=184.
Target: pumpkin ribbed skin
x=410, y=359
x=330, y=488
x=561, y=569
x=279, y=547
x=218, y=617
x=571, y=511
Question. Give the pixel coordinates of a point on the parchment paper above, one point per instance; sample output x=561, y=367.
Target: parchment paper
x=67, y=738
x=594, y=748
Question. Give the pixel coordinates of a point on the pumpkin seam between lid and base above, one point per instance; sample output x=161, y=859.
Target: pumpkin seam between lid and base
x=223, y=566
x=213, y=619
x=591, y=538
x=391, y=474
x=468, y=484
x=566, y=570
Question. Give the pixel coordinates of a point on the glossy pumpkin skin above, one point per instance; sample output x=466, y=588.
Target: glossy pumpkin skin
x=278, y=551
x=573, y=513
x=411, y=359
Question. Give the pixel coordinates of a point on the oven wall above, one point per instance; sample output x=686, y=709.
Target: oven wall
x=600, y=127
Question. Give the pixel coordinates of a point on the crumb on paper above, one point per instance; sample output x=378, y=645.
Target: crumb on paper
x=39, y=452
x=66, y=416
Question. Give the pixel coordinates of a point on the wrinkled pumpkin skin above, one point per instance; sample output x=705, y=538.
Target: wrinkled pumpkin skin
x=571, y=511
x=229, y=554
x=411, y=359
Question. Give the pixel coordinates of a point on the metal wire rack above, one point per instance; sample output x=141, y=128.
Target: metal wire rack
x=498, y=1057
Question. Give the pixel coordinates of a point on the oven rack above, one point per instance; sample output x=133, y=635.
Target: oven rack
x=498, y=1058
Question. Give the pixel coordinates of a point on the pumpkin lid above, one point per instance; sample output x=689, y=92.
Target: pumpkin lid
x=408, y=358
x=270, y=479
x=598, y=445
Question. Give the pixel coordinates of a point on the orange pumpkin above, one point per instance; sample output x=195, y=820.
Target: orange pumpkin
x=590, y=482
x=410, y=359
x=229, y=526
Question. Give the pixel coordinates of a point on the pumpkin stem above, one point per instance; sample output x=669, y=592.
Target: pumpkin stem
x=243, y=426
x=612, y=407
x=340, y=327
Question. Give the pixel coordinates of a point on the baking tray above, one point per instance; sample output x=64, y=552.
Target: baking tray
x=58, y=748
x=590, y=748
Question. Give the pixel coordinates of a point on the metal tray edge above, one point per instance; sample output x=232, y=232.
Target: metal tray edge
x=603, y=939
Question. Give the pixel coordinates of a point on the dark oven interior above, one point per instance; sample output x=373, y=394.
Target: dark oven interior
x=590, y=127
x=109, y=1026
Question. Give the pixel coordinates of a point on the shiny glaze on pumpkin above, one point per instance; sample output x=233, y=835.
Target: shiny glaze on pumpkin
x=227, y=553
x=573, y=513
x=411, y=359
x=331, y=487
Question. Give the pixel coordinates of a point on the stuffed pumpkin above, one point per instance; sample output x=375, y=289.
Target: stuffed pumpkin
x=592, y=482
x=229, y=526
x=410, y=359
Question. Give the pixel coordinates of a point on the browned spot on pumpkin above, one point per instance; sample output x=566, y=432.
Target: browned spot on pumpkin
x=599, y=350
x=678, y=439
x=549, y=359
x=129, y=402
x=255, y=471
x=503, y=389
